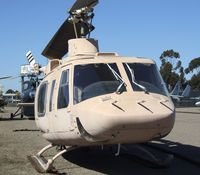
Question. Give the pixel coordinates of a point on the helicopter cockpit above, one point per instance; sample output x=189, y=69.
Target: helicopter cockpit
x=145, y=77
x=91, y=80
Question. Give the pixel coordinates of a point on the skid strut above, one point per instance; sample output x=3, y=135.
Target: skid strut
x=12, y=115
x=43, y=165
x=118, y=149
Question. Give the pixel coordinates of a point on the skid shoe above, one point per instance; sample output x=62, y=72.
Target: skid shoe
x=40, y=164
x=43, y=165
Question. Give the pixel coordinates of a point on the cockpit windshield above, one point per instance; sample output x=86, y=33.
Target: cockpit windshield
x=91, y=80
x=145, y=77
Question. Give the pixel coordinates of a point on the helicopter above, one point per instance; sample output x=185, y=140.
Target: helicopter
x=29, y=74
x=92, y=98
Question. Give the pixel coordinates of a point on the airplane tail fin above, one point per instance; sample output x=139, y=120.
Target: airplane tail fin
x=186, y=91
x=176, y=89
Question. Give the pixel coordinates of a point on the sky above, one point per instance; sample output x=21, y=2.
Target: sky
x=143, y=28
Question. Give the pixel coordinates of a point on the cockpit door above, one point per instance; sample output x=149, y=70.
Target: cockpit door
x=62, y=114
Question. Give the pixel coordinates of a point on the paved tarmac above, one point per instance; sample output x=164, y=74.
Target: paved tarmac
x=20, y=137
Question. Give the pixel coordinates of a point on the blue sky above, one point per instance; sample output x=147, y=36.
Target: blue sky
x=130, y=27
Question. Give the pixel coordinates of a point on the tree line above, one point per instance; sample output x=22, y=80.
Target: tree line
x=172, y=70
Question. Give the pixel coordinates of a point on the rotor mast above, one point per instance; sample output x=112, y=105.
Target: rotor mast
x=83, y=15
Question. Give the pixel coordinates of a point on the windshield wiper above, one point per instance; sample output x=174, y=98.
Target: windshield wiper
x=133, y=79
x=118, y=77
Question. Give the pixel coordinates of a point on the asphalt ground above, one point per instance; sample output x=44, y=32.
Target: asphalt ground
x=20, y=138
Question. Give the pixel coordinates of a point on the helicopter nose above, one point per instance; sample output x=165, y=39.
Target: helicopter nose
x=109, y=120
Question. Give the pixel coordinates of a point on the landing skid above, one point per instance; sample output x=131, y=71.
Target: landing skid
x=148, y=156
x=43, y=165
x=12, y=115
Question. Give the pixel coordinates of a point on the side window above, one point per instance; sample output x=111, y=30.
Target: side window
x=42, y=99
x=51, y=94
x=63, y=92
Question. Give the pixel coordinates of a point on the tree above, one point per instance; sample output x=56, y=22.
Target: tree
x=10, y=91
x=170, y=56
x=171, y=69
x=194, y=68
x=182, y=76
x=18, y=94
x=195, y=82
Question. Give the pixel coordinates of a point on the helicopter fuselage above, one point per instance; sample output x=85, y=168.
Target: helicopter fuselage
x=103, y=99
x=92, y=98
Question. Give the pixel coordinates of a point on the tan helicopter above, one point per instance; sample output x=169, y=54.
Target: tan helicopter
x=93, y=98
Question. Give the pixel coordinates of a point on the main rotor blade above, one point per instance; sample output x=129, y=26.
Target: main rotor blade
x=83, y=3
x=58, y=45
x=12, y=78
x=7, y=77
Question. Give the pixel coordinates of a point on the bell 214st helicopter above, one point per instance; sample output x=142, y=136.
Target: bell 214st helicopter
x=93, y=98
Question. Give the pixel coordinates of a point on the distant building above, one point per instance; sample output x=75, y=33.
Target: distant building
x=11, y=98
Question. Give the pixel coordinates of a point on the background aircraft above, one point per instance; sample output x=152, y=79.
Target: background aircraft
x=197, y=103
x=30, y=79
x=176, y=93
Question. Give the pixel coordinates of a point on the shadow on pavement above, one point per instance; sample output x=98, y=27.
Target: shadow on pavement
x=13, y=119
x=187, y=152
x=107, y=163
